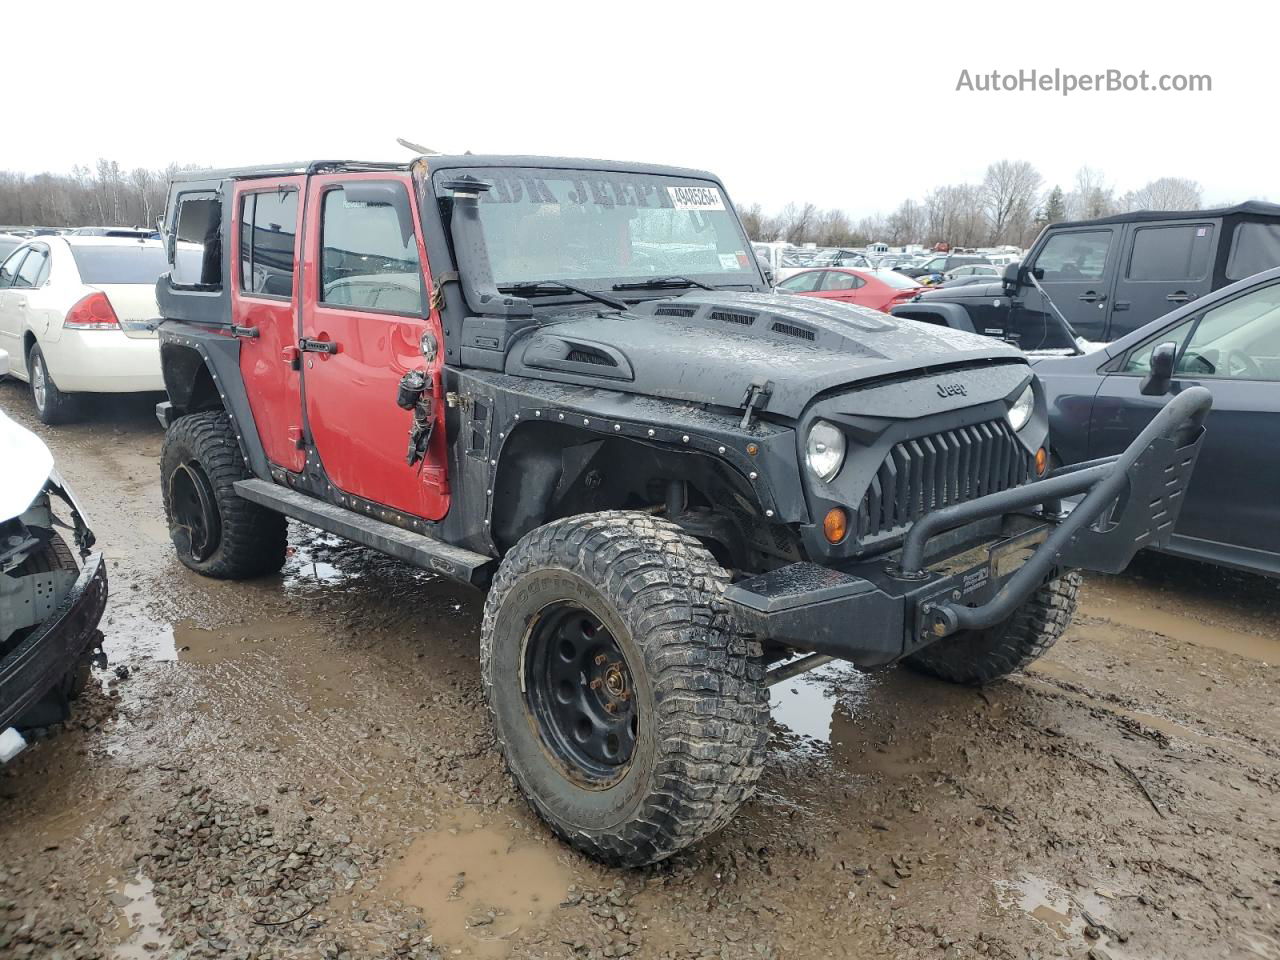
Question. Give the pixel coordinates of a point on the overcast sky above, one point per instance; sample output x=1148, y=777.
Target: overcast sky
x=854, y=107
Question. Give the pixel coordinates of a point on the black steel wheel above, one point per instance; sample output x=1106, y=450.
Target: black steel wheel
x=194, y=510
x=580, y=694
x=629, y=709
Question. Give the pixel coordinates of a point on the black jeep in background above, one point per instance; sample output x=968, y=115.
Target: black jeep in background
x=1108, y=277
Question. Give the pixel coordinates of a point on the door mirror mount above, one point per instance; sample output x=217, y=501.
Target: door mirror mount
x=1156, y=383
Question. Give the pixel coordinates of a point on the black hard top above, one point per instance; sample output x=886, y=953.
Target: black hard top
x=1252, y=208
x=438, y=162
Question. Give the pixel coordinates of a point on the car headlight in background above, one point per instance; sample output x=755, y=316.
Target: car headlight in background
x=824, y=450
x=1020, y=413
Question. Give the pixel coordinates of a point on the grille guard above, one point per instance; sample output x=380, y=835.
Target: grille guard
x=1132, y=501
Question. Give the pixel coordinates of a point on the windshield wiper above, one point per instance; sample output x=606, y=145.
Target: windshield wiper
x=527, y=287
x=659, y=282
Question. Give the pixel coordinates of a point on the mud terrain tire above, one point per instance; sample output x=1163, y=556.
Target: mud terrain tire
x=976, y=657
x=701, y=709
x=199, y=463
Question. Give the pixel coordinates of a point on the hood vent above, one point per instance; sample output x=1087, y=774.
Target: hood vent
x=728, y=316
x=674, y=311
x=791, y=330
x=583, y=355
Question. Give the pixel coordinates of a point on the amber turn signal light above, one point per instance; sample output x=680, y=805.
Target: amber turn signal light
x=835, y=525
x=1042, y=461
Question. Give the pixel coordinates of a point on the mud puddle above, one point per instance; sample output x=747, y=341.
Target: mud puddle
x=140, y=929
x=479, y=885
x=1079, y=921
x=807, y=705
x=1125, y=609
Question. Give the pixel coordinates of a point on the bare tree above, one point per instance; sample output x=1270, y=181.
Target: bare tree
x=1167, y=193
x=1091, y=197
x=1009, y=192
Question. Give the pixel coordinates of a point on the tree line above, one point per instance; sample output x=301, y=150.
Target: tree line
x=106, y=195
x=1009, y=206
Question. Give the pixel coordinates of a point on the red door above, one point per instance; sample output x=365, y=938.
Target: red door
x=365, y=298
x=268, y=217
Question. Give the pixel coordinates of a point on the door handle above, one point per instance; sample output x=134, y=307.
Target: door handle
x=1120, y=305
x=309, y=345
x=1090, y=297
x=1181, y=296
x=249, y=333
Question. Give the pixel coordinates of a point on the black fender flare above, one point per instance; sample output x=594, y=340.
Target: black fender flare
x=185, y=351
x=943, y=314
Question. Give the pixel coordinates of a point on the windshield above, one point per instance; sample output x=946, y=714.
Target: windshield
x=542, y=224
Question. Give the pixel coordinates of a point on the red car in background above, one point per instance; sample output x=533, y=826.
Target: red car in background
x=877, y=289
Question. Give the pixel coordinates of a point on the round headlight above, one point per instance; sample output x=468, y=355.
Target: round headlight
x=824, y=450
x=1020, y=412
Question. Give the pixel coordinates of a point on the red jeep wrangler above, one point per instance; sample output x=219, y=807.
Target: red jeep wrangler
x=567, y=381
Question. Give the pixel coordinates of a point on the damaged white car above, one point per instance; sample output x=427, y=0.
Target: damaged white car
x=50, y=601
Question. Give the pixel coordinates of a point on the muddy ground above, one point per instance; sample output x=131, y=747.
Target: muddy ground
x=301, y=766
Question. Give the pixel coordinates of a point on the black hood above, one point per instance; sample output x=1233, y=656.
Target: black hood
x=980, y=291
x=709, y=347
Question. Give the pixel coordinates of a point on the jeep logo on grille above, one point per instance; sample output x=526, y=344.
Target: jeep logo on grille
x=951, y=390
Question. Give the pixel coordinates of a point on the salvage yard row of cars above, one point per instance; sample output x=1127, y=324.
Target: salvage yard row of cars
x=568, y=383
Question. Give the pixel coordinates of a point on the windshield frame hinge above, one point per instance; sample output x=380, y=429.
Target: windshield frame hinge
x=757, y=395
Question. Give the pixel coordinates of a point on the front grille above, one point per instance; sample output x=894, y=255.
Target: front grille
x=953, y=466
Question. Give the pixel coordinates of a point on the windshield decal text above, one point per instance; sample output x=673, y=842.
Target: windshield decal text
x=696, y=198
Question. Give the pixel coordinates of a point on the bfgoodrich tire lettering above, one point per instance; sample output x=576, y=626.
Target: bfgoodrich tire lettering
x=975, y=657
x=701, y=705
x=248, y=540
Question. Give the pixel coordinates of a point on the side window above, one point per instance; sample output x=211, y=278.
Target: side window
x=1075, y=256
x=9, y=269
x=1139, y=361
x=29, y=273
x=367, y=260
x=805, y=282
x=197, y=244
x=1239, y=340
x=1254, y=247
x=268, y=226
x=1171, y=253
x=838, y=280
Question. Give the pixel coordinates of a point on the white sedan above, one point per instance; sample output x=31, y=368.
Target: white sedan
x=78, y=315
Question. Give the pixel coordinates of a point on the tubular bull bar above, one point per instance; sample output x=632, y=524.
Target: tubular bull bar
x=872, y=614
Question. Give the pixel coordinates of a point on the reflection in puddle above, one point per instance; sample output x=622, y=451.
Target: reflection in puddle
x=141, y=923
x=1061, y=912
x=805, y=704
x=478, y=885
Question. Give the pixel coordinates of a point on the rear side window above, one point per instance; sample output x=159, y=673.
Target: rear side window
x=837, y=280
x=366, y=260
x=124, y=263
x=1171, y=253
x=1075, y=256
x=197, y=254
x=1254, y=247
x=268, y=226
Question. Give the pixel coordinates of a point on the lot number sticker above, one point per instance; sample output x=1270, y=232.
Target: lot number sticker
x=695, y=198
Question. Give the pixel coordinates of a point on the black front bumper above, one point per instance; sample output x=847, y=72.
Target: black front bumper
x=55, y=646
x=878, y=611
